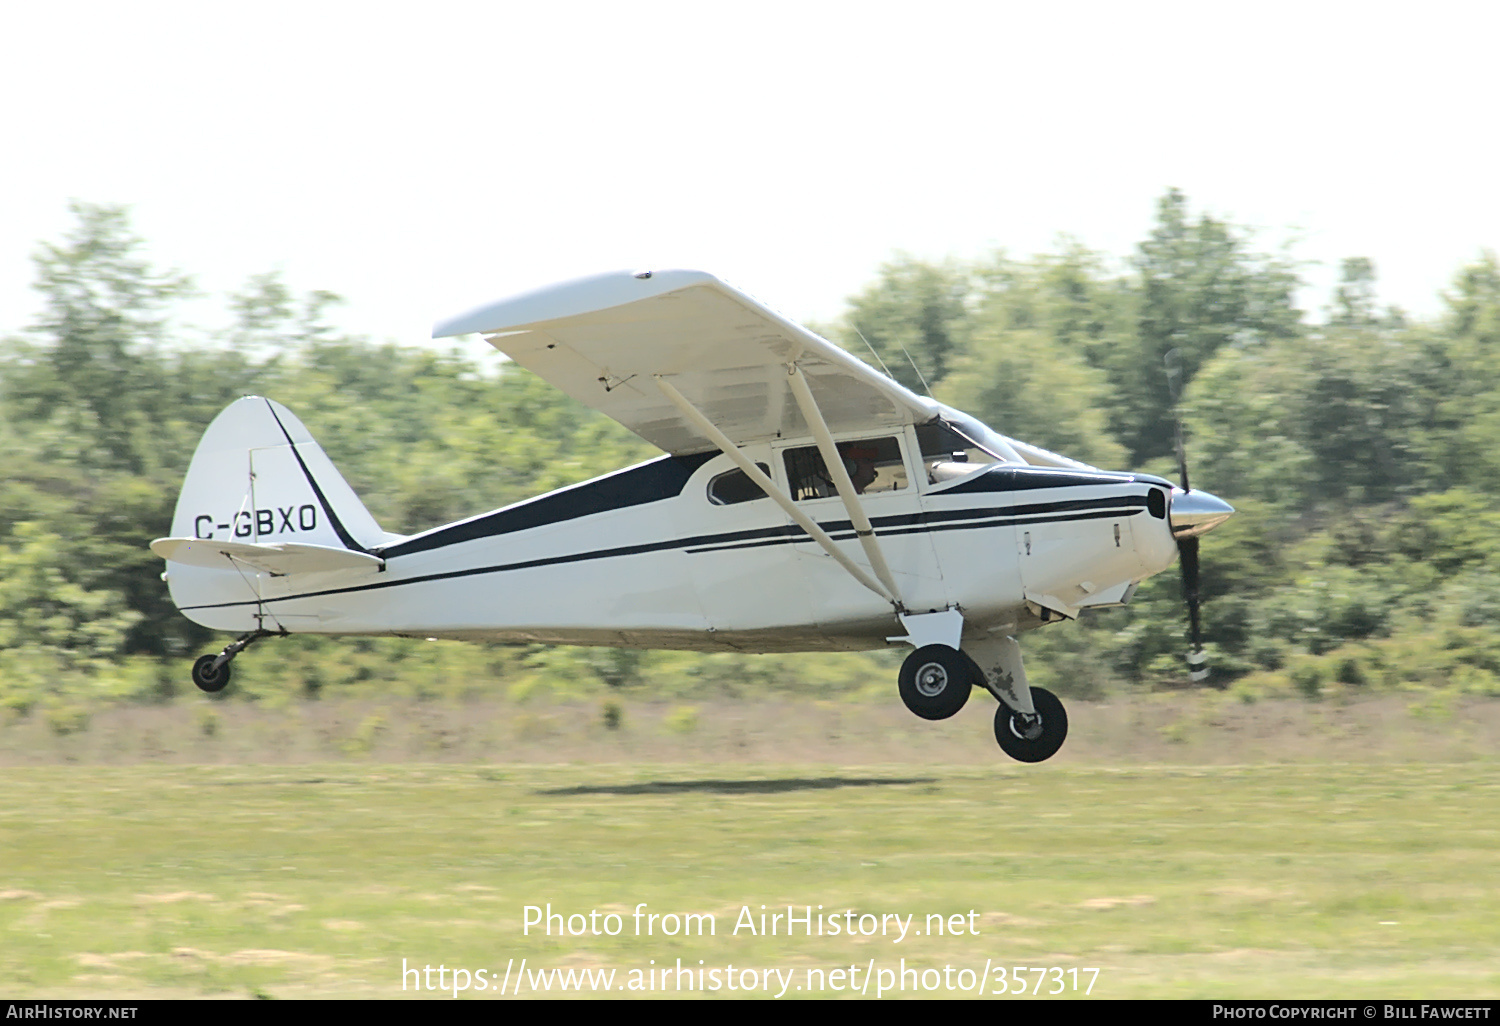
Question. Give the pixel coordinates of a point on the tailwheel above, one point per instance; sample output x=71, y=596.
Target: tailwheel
x=936, y=680
x=208, y=677
x=1032, y=738
x=211, y=672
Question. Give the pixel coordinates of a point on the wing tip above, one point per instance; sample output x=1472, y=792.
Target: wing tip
x=571, y=298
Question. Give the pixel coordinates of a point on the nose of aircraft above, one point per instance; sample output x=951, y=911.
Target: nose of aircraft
x=1197, y=512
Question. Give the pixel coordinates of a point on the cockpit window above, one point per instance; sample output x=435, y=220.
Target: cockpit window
x=735, y=486
x=873, y=464
x=948, y=453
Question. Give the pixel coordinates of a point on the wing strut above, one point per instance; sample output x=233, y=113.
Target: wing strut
x=768, y=486
x=840, y=474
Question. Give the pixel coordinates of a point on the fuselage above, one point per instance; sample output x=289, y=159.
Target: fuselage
x=675, y=553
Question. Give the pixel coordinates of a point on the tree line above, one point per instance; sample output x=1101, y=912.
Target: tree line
x=1361, y=446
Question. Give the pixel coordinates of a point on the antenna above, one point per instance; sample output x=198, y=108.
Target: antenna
x=873, y=352
x=920, y=376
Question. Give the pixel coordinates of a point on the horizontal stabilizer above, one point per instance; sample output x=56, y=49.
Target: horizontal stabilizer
x=279, y=558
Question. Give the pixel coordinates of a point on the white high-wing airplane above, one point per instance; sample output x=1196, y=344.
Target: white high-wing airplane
x=805, y=503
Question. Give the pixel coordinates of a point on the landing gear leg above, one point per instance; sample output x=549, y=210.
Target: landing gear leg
x=999, y=660
x=211, y=672
x=1031, y=723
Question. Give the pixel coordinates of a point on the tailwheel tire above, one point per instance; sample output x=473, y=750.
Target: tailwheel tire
x=936, y=680
x=1032, y=738
x=207, y=678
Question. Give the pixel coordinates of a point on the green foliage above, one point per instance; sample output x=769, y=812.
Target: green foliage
x=683, y=719
x=1026, y=364
x=1466, y=360
x=104, y=319
x=40, y=606
x=1450, y=531
x=913, y=317
x=1199, y=290
x=612, y=715
x=1363, y=454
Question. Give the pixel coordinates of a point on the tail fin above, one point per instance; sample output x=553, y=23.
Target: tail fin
x=260, y=496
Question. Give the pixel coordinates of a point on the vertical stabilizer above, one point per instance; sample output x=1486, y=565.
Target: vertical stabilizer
x=258, y=478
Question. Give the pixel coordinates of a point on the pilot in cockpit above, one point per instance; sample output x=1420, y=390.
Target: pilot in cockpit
x=859, y=461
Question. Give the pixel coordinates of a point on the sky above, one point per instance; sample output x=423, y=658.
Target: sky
x=421, y=160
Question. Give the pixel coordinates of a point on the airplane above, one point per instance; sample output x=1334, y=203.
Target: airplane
x=804, y=502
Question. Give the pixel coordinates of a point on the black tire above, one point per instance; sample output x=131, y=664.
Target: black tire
x=1039, y=739
x=207, y=678
x=936, y=681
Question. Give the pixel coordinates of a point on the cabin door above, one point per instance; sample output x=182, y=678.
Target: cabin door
x=879, y=469
x=739, y=554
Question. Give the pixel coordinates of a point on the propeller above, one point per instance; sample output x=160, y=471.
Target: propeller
x=1193, y=513
x=1187, y=553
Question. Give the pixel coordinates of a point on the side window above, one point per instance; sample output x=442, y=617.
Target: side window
x=874, y=465
x=735, y=486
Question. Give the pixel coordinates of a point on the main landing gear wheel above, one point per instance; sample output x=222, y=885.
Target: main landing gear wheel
x=936, y=681
x=1032, y=738
x=207, y=678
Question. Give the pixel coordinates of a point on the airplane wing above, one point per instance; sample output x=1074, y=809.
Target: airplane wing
x=602, y=339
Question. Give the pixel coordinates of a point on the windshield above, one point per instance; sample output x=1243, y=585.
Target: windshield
x=949, y=452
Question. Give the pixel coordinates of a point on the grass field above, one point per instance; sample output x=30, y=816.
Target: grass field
x=1284, y=879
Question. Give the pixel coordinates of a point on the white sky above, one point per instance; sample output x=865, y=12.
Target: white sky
x=424, y=159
